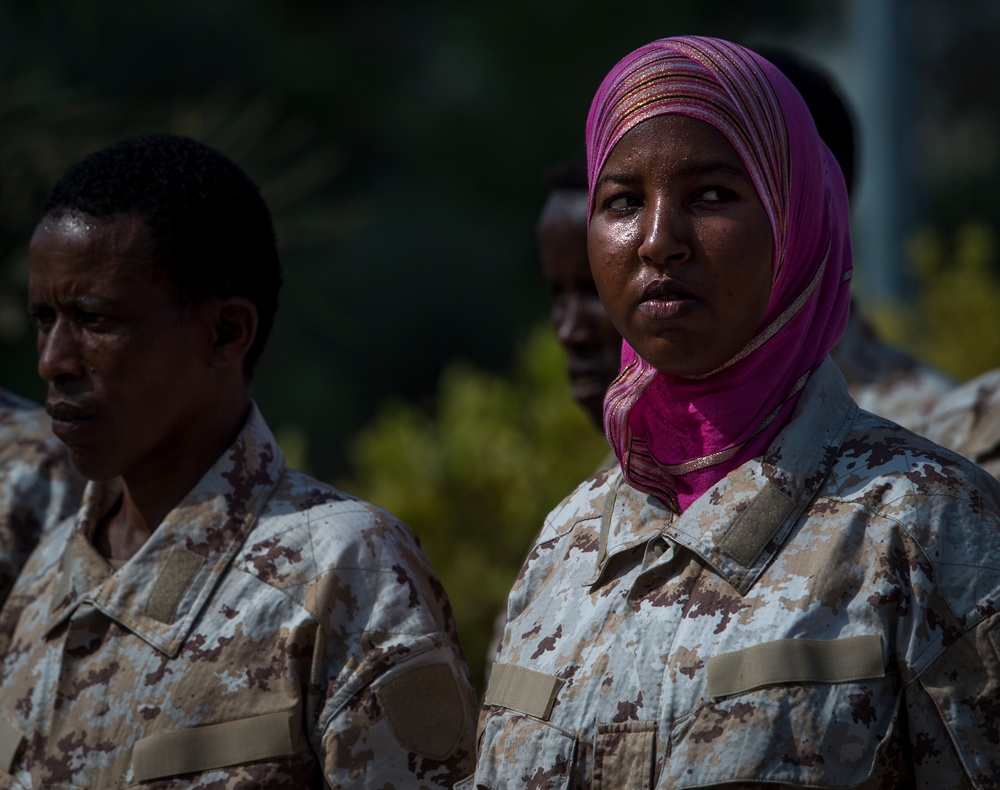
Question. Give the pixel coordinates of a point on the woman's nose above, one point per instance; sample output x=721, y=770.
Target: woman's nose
x=665, y=237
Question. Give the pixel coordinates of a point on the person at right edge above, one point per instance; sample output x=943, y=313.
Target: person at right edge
x=967, y=420
x=773, y=587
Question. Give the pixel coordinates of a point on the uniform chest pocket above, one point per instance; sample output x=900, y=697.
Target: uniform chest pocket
x=522, y=751
x=806, y=714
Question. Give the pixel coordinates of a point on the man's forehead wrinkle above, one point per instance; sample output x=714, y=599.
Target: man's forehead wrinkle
x=106, y=259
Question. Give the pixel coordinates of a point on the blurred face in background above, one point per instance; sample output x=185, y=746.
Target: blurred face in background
x=592, y=344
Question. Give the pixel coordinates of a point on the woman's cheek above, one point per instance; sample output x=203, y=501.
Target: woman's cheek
x=613, y=244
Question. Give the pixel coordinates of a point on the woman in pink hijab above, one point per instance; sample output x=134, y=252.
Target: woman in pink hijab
x=774, y=587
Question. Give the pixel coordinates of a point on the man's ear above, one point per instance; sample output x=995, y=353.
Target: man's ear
x=234, y=329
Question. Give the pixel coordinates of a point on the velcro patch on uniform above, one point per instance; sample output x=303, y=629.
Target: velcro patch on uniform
x=522, y=690
x=10, y=741
x=171, y=583
x=756, y=525
x=424, y=709
x=796, y=661
x=214, y=746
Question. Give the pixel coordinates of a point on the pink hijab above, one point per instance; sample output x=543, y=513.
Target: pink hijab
x=676, y=437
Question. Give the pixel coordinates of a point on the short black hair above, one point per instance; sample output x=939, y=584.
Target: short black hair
x=823, y=98
x=212, y=232
x=571, y=174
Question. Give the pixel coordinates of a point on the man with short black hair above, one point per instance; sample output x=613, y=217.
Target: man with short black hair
x=211, y=619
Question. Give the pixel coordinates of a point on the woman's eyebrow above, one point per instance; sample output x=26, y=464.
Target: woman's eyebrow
x=687, y=168
x=621, y=179
x=714, y=166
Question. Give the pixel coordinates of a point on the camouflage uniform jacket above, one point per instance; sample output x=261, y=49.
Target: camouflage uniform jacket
x=38, y=486
x=826, y=616
x=968, y=421
x=885, y=380
x=273, y=632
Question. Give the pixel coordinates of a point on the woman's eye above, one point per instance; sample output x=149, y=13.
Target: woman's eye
x=621, y=203
x=715, y=195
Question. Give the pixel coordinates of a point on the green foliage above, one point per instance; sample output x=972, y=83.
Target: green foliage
x=476, y=477
x=952, y=322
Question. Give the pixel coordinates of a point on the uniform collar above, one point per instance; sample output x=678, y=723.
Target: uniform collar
x=741, y=523
x=159, y=593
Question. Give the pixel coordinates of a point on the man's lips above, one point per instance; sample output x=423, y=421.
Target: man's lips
x=67, y=416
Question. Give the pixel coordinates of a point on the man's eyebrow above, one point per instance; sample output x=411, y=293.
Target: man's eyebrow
x=83, y=301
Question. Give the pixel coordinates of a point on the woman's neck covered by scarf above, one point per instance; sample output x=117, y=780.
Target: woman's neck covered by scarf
x=677, y=437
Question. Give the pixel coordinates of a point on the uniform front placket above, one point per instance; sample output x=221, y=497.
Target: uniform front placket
x=76, y=665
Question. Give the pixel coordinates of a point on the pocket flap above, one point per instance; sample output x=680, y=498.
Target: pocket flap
x=214, y=746
x=10, y=741
x=796, y=661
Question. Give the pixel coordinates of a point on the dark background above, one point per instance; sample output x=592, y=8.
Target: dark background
x=401, y=147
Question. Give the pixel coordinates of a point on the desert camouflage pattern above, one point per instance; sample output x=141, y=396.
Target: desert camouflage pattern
x=273, y=632
x=968, y=421
x=38, y=486
x=825, y=616
x=886, y=380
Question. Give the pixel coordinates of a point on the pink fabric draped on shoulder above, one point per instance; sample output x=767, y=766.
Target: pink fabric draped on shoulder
x=676, y=437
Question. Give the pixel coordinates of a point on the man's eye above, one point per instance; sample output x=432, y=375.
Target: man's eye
x=40, y=318
x=88, y=318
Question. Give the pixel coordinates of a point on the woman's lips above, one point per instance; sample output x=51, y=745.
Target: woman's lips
x=664, y=299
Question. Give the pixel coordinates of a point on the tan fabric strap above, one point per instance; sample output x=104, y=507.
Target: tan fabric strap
x=756, y=525
x=522, y=690
x=796, y=661
x=172, y=582
x=10, y=741
x=213, y=746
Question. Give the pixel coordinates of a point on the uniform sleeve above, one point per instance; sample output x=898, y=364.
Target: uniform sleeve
x=954, y=713
x=411, y=727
